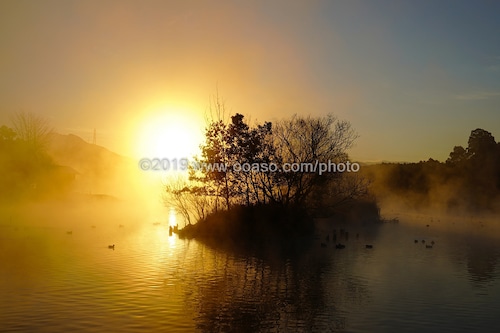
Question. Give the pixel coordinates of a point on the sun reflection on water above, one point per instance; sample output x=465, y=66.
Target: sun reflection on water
x=172, y=222
x=172, y=218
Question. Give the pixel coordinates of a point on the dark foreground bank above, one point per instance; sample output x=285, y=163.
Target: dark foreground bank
x=271, y=225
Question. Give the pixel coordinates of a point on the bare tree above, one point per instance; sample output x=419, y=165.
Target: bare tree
x=192, y=202
x=307, y=140
x=31, y=128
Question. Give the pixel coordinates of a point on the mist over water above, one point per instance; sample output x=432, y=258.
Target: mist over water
x=259, y=98
x=58, y=274
x=99, y=256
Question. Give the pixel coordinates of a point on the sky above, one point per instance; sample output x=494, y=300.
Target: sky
x=414, y=78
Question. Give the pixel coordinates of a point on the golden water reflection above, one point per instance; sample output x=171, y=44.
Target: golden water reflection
x=152, y=281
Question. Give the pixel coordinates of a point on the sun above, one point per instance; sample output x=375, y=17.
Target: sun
x=168, y=134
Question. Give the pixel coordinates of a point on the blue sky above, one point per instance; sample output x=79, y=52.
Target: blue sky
x=413, y=77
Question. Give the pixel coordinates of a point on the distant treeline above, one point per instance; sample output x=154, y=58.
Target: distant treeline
x=469, y=179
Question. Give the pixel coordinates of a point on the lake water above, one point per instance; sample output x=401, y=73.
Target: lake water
x=52, y=281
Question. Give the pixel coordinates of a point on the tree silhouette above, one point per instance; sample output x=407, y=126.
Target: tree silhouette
x=32, y=129
x=307, y=140
x=481, y=143
x=242, y=164
x=7, y=134
x=459, y=154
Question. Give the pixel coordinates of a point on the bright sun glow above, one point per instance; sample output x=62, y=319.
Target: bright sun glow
x=164, y=132
x=172, y=218
x=168, y=133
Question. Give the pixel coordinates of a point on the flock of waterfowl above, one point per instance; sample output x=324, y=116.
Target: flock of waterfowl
x=426, y=245
x=345, y=235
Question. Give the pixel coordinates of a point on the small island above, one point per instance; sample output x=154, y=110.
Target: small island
x=265, y=184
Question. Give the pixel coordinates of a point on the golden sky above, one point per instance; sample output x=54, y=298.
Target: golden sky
x=411, y=79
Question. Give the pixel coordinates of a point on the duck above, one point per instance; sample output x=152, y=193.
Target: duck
x=416, y=241
x=111, y=246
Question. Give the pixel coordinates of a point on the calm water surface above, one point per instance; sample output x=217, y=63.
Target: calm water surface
x=51, y=281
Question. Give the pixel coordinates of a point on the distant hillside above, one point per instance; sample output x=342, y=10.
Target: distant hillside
x=71, y=150
x=99, y=171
